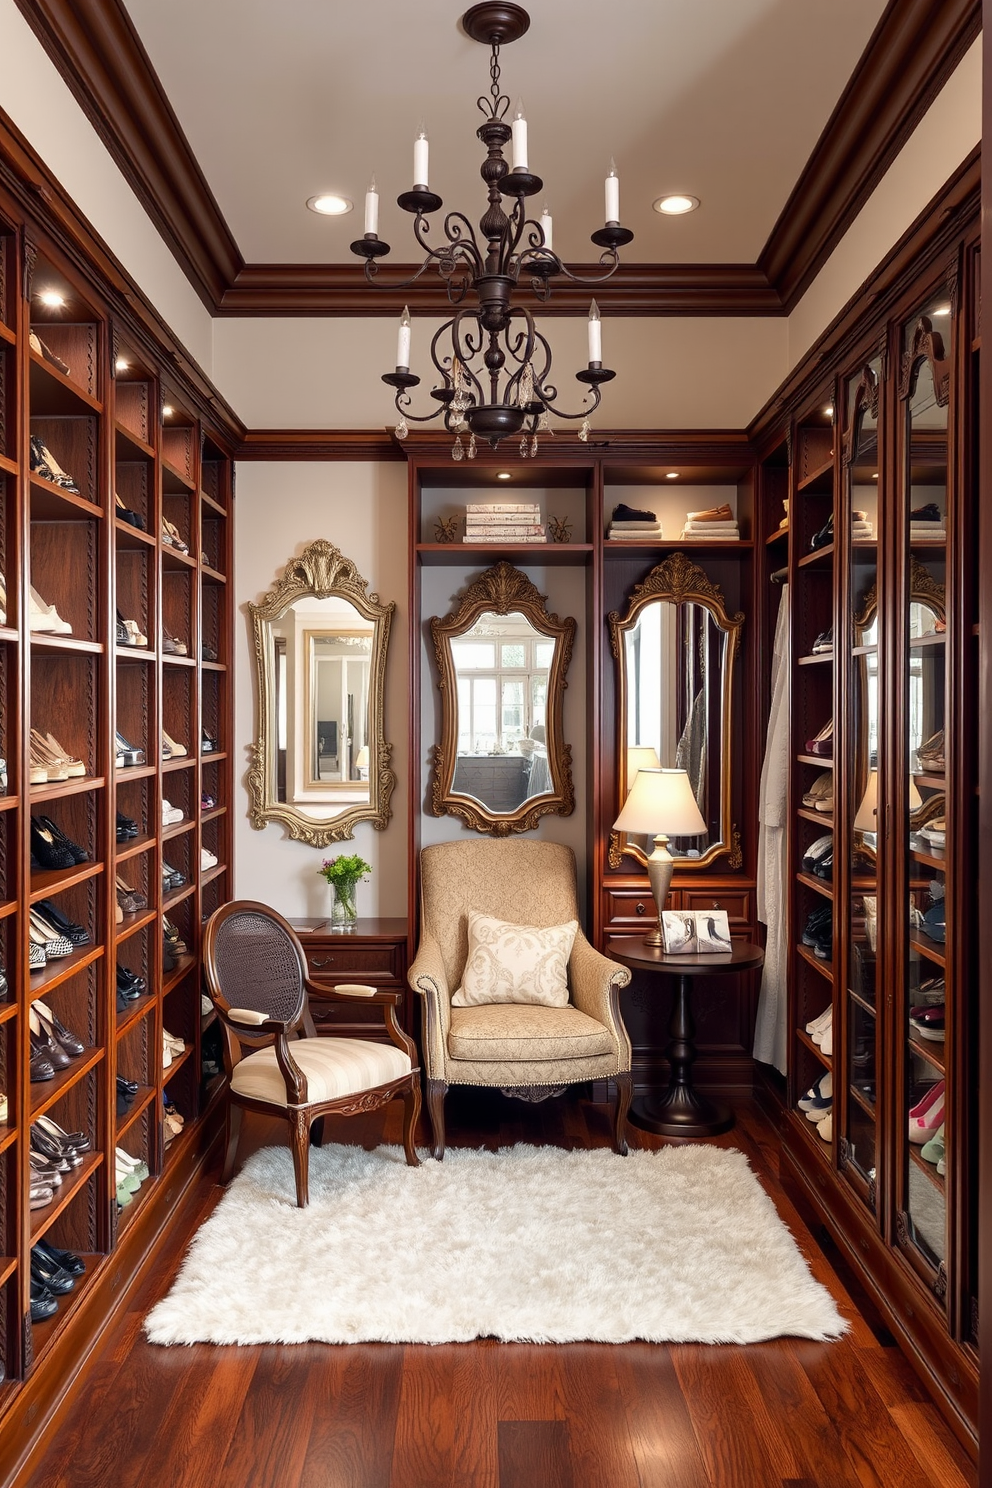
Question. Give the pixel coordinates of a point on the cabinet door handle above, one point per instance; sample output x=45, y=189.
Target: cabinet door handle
x=640, y=906
x=316, y=962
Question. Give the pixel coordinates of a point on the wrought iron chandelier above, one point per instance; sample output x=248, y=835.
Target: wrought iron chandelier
x=493, y=362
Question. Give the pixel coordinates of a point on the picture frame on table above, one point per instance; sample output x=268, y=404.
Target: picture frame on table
x=704, y=932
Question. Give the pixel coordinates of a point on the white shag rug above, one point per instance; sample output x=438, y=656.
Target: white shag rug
x=527, y=1244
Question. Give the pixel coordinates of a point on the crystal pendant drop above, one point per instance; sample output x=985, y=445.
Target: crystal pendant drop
x=457, y=452
x=402, y=429
x=471, y=447
x=523, y=447
x=584, y=431
x=533, y=446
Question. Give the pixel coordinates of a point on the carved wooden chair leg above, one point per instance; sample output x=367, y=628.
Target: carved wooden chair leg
x=436, y=1091
x=625, y=1090
x=411, y=1115
x=317, y=1132
x=232, y=1133
x=300, y=1138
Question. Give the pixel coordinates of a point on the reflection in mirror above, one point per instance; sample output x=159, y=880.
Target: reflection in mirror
x=320, y=761
x=675, y=650
x=502, y=658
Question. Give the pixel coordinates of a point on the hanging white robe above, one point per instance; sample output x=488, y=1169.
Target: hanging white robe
x=770, y=1033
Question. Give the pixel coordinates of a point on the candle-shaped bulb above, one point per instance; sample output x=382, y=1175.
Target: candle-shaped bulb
x=595, y=334
x=420, y=157
x=546, y=226
x=613, y=194
x=403, y=339
x=519, y=138
x=372, y=209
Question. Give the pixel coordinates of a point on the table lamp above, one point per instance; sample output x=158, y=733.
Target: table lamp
x=362, y=762
x=661, y=803
x=866, y=817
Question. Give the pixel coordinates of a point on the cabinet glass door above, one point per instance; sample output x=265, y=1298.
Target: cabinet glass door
x=859, y=1137
x=922, y=1207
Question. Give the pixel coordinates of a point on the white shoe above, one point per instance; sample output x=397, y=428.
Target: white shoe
x=825, y=1128
x=207, y=859
x=45, y=616
x=823, y=1027
x=826, y=1042
x=170, y=814
x=818, y=1024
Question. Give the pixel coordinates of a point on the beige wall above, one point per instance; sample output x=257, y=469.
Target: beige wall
x=362, y=509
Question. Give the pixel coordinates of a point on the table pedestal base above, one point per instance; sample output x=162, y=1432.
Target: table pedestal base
x=681, y=1113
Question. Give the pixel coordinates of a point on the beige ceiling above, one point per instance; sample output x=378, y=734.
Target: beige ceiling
x=724, y=99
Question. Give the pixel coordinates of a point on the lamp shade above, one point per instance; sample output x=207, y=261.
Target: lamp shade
x=362, y=757
x=661, y=802
x=866, y=819
x=640, y=757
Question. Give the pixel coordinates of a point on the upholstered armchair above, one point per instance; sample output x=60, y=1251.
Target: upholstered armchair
x=256, y=974
x=511, y=1045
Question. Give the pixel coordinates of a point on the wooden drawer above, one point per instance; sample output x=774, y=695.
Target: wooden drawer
x=626, y=907
x=355, y=963
x=737, y=902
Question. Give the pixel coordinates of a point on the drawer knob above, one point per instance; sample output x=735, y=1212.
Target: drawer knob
x=327, y=961
x=640, y=906
x=716, y=904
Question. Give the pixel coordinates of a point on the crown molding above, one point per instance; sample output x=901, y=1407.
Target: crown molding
x=715, y=448
x=912, y=52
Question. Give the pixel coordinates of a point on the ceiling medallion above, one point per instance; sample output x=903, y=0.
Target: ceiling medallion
x=494, y=365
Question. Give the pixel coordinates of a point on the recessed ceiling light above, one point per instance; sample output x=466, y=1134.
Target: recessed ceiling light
x=502, y=475
x=942, y=310
x=121, y=364
x=51, y=299
x=672, y=475
x=676, y=205
x=329, y=205
x=167, y=410
x=829, y=410
x=874, y=475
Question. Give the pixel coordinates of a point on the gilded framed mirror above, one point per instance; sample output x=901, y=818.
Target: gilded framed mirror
x=320, y=761
x=502, y=762
x=674, y=648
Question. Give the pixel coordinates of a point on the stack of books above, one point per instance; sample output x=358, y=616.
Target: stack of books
x=718, y=524
x=630, y=525
x=503, y=522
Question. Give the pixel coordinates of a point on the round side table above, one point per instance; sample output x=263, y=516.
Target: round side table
x=681, y=1111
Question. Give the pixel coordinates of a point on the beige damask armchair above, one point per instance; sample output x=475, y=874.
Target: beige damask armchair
x=533, y=1050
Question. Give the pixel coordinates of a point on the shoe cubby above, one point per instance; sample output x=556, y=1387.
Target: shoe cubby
x=213, y=623
x=213, y=544
x=65, y=569
x=9, y=858
x=178, y=617
x=66, y=827
x=136, y=407
x=67, y=447
x=213, y=894
x=134, y=801
x=178, y=718
x=138, y=1060
x=8, y=955
x=68, y=331
x=134, y=486
x=65, y=703
x=8, y=442
x=136, y=598
x=213, y=712
x=136, y=722
x=215, y=478
x=212, y=783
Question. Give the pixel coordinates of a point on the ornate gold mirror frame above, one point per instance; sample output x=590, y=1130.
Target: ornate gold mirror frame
x=678, y=581
x=320, y=572
x=502, y=590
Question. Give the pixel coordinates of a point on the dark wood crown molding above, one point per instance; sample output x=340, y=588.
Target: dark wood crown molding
x=912, y=52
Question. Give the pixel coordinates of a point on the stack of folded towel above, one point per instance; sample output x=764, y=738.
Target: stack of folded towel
x=860, y=525
x=630, y=525
x=718, y=524
x=927, y=522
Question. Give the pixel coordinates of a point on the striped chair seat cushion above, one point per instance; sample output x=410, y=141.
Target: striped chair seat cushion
x=334, y=1067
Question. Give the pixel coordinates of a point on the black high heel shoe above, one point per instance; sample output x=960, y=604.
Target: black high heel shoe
x=67, y=1259
x=76, y=933
x=79, y=854
x=47, y=851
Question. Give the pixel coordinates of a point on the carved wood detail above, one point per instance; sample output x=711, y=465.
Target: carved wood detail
x=927, y=345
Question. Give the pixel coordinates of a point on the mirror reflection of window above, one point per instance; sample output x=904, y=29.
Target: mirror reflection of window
x=502, y=666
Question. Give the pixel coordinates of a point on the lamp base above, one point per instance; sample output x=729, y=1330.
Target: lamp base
x=661, y=866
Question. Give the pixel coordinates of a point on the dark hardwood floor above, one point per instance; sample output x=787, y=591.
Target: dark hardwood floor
x=784, y=1414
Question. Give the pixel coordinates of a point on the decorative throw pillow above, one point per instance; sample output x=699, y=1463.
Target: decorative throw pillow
x=515, y=963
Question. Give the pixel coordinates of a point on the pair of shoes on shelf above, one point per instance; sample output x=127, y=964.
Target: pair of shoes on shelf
x=131, y=901
x=51, y=1039
x=127, y=1091
x=171, y=1047
x=127, y=754
x=927, y=1115
x=171, y=815
x=43, y=933
x=818, y=859
x=171, y=749
x=824, y=642
x=821, y=1031
x=64, y=1148
x=820, y=796
x=61, y=922
x=45, y=617
x=173, y=646
x=171, y=537
x=825, y=536
x=130, y=987
x=132, y=518
x=207, y=802
x=51, y=848
x=931, y=754
x=51, y=762
x=818, y=932
x=207, y=858
x=927, y=1019
x=818, y=1100
x=208, y=653
x=46, y=353
x=935, y=1151
x=935, y=831
x=173, y=1121
x=129, y=632
x=44, y=463
x=127, y=828
x=130, y=1173
x=172, y=878
x=208, y=744
x=822, y=743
